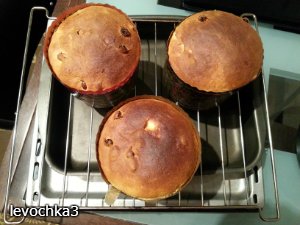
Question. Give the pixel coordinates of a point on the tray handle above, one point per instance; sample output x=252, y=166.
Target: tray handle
x=274, y=176
x=6, y=219
x=246, y=17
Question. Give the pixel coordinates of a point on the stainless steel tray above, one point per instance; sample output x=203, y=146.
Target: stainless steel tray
x=67, y=173
x=63, y=166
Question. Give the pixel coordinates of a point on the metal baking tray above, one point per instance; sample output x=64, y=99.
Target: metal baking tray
x=63, y=165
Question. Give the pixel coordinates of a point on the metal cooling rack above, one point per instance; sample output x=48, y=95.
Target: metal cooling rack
x=82, y=184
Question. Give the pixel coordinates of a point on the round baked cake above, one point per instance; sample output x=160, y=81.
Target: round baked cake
x=215, y=51
x=92, y=48
x=148, y=148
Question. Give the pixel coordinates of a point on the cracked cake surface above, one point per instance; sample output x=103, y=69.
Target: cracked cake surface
x=148, y=148
x=92, y=48
x=215, y=51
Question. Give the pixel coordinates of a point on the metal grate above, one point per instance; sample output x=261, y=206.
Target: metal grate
x=231, y=178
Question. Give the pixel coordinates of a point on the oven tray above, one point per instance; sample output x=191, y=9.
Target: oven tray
x=63, y=166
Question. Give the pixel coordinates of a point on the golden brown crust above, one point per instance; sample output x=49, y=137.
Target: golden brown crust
x=148, y=148
x=92, y=48
x=215, y=51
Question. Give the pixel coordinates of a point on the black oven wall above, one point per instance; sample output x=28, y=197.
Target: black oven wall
x=283, y=14
x=14, y=17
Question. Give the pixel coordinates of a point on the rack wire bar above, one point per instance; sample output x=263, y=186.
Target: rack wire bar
x=201, y=175
x=222, y=153
x=243, y=147
x=21, y=87
x=89, y=155
x=179, y=198
x=274, y=177
x=67, y=149
x=254, y=18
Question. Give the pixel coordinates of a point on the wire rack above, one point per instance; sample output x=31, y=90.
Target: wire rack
x=232, y=179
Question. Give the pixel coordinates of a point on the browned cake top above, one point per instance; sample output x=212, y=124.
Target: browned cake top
x=148, y=148
x=215, y=51
x=93, y=48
